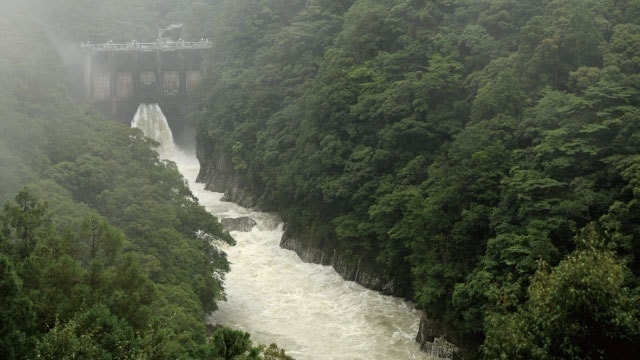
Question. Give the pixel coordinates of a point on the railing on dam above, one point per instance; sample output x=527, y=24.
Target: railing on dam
x=147, y=46
x=119, y=76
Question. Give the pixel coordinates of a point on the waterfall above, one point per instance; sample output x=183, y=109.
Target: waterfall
x=307, y=309
x=150, y=119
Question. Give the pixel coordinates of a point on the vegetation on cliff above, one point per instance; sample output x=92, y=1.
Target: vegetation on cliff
x=485, y=152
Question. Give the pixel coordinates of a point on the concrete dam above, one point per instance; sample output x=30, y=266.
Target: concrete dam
x=120, y=76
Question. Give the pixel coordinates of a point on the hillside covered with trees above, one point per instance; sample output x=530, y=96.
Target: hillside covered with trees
x=484, y=154
x=104, y=251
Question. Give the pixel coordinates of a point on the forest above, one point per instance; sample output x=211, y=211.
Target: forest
x=484, y=153
x=104, y=251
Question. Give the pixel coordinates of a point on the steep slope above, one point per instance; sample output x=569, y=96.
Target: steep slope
x=450, y=149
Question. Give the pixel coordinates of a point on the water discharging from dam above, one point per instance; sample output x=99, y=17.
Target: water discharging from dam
x=307, y=309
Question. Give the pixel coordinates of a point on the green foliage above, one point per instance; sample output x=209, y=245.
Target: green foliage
x=579, y=310
x=95, y=334
x=17, y=317
x=231, y=344
x=25, y=222
x=106, y=243
x=457, y=143
x=272, y=352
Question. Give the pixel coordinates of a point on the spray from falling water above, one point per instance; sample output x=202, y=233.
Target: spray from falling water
x=150, y=119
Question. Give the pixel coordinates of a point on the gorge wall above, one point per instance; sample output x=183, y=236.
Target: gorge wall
x=218, y=175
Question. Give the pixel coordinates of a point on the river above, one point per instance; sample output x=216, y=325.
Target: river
x=307, y=309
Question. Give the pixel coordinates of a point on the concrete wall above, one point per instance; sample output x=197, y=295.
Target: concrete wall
x=116, y=82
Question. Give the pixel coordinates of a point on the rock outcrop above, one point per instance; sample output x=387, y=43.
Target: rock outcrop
x=218, y=175
x=358, y=267
x=243, y=223
x=433, y=341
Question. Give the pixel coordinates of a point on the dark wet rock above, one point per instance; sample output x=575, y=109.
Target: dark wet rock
x=432, y=337
x=361, y=267
x=243, y=223
x=218, y=174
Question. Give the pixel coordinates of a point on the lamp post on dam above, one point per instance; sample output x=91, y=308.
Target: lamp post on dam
x=120, y=76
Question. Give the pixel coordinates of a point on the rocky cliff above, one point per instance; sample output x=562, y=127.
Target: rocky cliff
x=358, y=267
x=218, y=175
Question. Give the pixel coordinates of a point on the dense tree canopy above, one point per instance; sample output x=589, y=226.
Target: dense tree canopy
x=462, y=144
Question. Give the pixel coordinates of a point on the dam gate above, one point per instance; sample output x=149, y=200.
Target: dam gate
x=120, y=76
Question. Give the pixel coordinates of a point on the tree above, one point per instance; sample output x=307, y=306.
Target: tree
x=25, y=222
x=272, y=352
x=504, y=96
x=133, y=294
x=579, y=309
x=17, y=318
x=94, y=333
x=99, y=239
x=230, y=344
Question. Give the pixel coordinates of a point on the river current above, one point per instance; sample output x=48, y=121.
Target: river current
x=307, y=309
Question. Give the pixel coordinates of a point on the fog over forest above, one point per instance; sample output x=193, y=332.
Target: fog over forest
x=478, y=160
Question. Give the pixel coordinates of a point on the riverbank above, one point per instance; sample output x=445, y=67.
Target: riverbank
x=216, y=174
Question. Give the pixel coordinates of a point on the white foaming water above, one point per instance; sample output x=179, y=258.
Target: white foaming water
x=150, y=119
x=307, y=309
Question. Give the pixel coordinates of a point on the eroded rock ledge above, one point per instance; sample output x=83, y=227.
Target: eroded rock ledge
x=218, y=175
x=360, y=268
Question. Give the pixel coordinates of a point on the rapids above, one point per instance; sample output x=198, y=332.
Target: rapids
x=307, y=309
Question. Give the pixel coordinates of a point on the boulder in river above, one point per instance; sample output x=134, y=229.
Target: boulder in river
x=243, y=223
